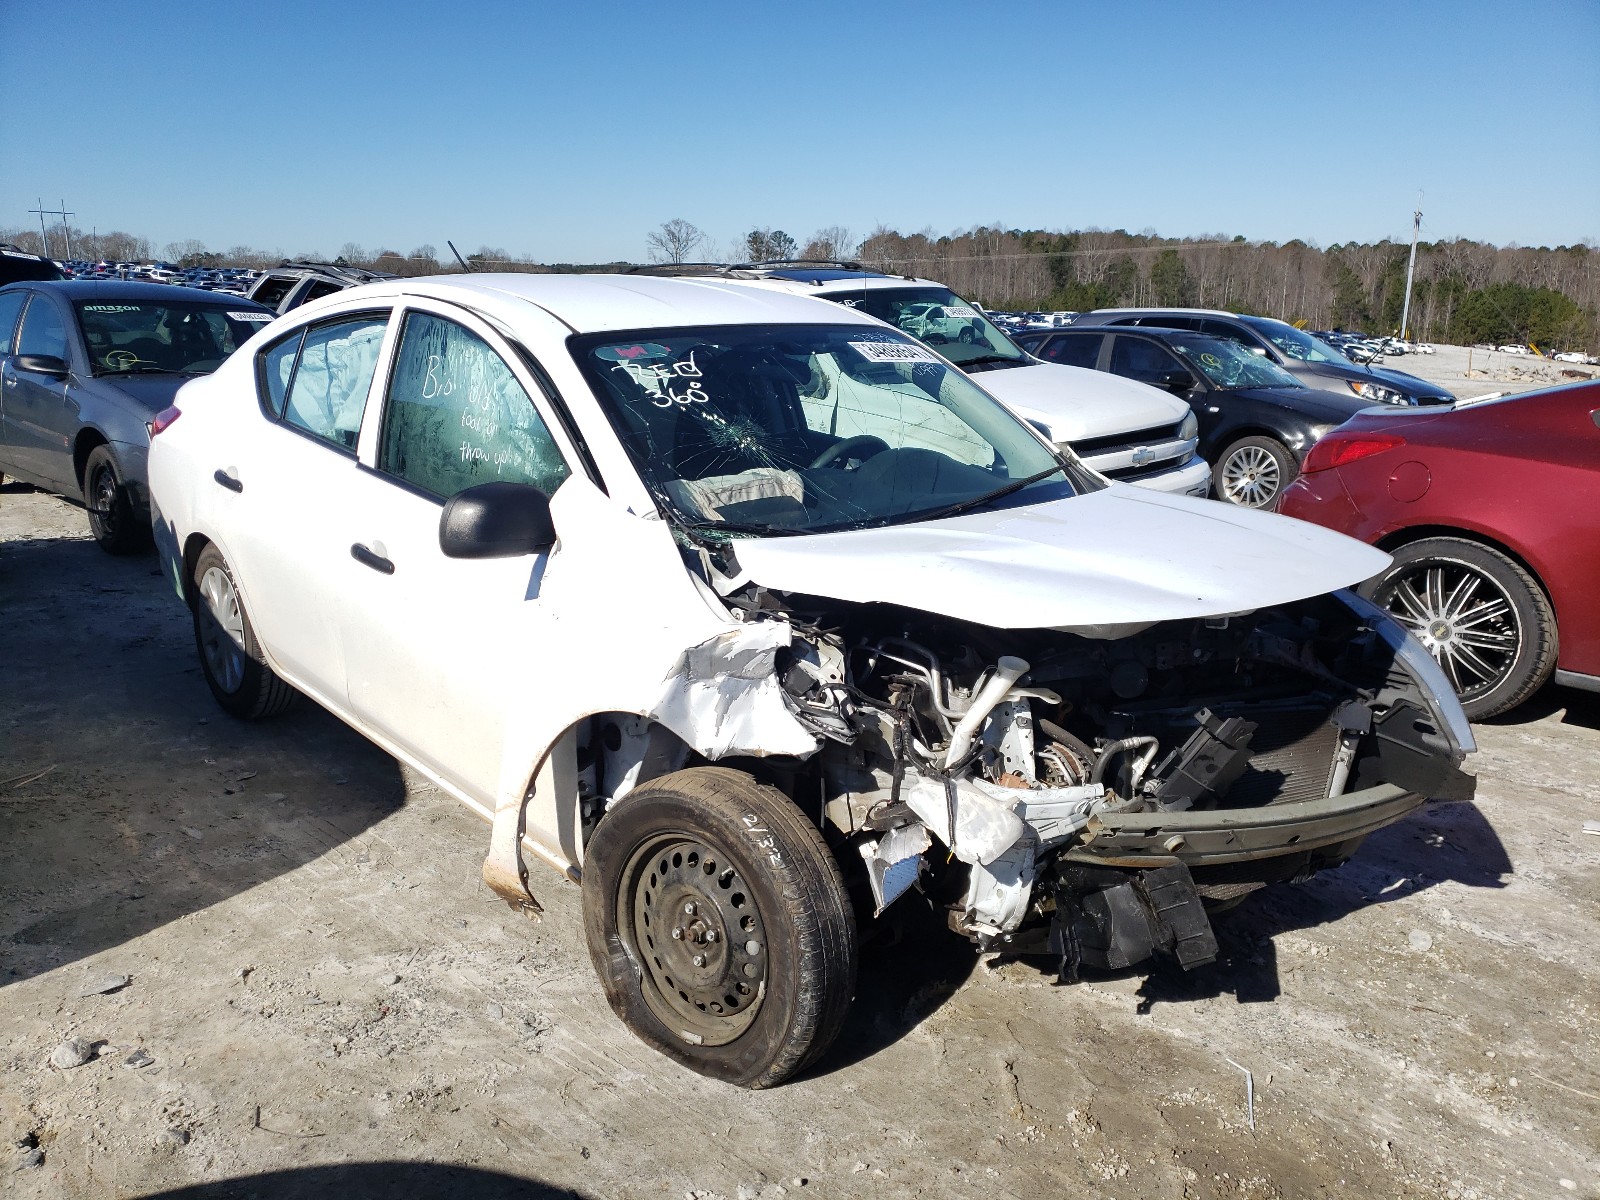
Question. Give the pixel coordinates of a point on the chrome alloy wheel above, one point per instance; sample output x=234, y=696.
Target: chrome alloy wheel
x=222, y=630
x=1463, y=618
x=694, y=928
x=1251, y=477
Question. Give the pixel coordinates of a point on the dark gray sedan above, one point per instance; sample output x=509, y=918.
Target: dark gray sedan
x=84, y=365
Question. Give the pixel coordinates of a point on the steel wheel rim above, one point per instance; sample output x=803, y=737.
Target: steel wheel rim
x=681, y=898
x=1251, y=476
x=103, y=499
x=222, y=629
x=1462, y=617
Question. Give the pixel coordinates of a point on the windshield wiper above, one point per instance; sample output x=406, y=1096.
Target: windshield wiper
x=741, y=527
x=1016, y=485
x=981, y=359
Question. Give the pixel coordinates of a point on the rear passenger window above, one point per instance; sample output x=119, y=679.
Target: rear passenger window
x=272, y=291
x=10, y=307
x=1142, y=360
x=1226, y=329
x=1073, y=349
x=456, y=416
x=317, y=379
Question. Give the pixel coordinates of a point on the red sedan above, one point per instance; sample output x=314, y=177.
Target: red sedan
x=1492, y=514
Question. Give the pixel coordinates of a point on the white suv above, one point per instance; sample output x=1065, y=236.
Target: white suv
x=1126, y=430
x=756, y=617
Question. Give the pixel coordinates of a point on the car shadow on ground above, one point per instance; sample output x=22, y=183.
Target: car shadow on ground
x=906, y=974
x=1576, y=707
x=372, y=1181
x=129, y=799
x=1439, y=842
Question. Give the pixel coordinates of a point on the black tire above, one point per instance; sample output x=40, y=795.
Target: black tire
x=1253, y=471
x=1477, y=611
x=749, y=863
x=113, y=516
x=230, y=656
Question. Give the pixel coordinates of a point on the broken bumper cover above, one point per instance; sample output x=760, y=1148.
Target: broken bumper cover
x=1213, y=837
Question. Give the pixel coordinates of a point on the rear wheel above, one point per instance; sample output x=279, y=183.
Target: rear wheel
x=235, y=668
x=1478, y=612
x=719, y=925
x=1252, y=471
x=113, y=516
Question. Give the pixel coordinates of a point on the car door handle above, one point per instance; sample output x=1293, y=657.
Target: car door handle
x=368, y=559
x=227, y=481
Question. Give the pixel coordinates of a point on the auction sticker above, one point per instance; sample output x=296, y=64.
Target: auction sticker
x=960, y=310
x=894, y=352
x=249, y=316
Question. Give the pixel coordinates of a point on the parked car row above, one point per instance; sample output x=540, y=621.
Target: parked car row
x=825, y=612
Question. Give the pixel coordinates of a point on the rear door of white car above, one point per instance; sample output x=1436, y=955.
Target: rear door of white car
x=287, y=491
x=437, y=649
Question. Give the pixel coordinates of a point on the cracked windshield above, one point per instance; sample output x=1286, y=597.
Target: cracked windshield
x=800, y=429
x=941, y=318
x=1227, y=364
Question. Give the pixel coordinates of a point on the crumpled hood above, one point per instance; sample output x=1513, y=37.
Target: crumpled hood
x=1076, y=403
x=1108, y=563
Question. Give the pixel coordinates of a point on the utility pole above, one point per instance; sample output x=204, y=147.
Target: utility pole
x=1411, y=267
x=44, y=235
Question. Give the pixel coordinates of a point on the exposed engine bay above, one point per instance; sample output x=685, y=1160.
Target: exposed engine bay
x=1091, y=797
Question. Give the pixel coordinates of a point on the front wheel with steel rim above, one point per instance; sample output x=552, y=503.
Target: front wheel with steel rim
x=231, y=658
x=113, y=517
x=1479, y=613
x=718, y=922
x=1253, y=471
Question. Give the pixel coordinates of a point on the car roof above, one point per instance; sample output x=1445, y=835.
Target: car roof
x=122, y=289
x=594, y=303
x=1158, y=310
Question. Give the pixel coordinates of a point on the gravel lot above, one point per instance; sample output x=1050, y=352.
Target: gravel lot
x=326, y=992
x=1471, y=373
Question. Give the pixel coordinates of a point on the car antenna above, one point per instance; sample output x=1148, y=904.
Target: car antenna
x=465, y=266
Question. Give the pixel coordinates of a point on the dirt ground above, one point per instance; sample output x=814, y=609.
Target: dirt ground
x=333, y=1004
x=1470, y=373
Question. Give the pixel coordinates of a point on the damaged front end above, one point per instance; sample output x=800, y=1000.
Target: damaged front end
x=1097, y=794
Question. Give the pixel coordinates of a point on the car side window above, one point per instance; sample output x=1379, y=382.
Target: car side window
x=317, y=379
x=10, y=308
x=43, y=331
x=455, y=415
x=1073, y=349
x=1169, y=322
x=1225, y=329
x=277, y=368
x=1142, y=360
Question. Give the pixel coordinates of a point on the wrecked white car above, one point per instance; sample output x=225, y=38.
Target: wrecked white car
x=757, y=619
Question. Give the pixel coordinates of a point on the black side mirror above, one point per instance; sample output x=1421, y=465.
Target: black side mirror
x=1174, y=381
x=496, y=520
x=42, y=364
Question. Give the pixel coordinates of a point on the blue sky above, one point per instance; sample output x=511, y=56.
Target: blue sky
x=570, y=130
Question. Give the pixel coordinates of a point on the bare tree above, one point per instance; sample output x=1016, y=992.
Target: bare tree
x=829, y=244
x=675, y=242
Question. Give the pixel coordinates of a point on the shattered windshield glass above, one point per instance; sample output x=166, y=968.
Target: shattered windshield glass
x=939, y=317
x=1227, y=364
x=801, y=429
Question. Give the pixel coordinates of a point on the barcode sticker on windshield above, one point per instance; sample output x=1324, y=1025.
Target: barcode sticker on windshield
x=20, y=254
x=960, y=310
x=894, y=352
x=250, y=316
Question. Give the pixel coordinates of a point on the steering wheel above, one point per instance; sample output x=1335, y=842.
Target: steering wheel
x=863, y=446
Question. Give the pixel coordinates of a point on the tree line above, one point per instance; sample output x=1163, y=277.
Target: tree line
x=1464, y=291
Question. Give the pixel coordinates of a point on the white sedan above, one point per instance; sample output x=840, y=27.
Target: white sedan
x=758, y=617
